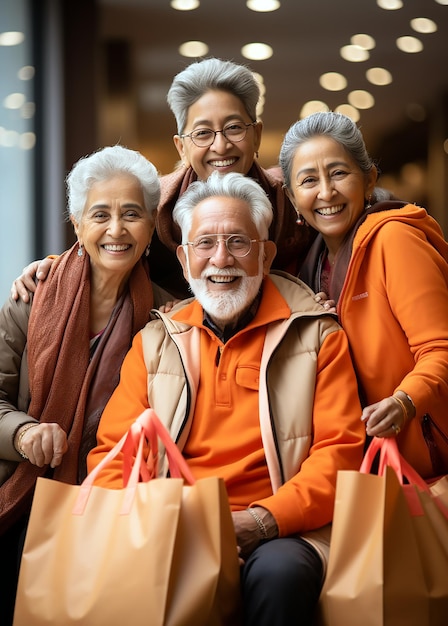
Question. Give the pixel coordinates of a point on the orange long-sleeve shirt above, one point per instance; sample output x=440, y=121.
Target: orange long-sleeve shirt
x=312, y=397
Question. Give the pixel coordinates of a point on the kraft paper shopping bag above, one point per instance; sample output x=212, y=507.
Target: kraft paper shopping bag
x=158, y=553
x=388, y=562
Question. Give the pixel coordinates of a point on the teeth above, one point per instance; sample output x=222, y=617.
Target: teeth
x=115, y=247
x=222, y=279
x=223, y=163
x=331, y=210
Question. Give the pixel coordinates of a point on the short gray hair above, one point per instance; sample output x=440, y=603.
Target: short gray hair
x=228, y=185
x=105, y=164
x=336, y=126
x=207, y=75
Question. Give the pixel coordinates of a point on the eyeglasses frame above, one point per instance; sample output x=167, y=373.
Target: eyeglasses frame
x=225, y=239
x=216, y=132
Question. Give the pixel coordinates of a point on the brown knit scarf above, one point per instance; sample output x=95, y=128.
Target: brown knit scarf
x=66, y=386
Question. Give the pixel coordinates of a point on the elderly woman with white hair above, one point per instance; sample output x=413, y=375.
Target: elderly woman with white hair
x=60, y=354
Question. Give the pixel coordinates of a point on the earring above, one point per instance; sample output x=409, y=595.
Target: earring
x=147, y=249
x=300, y=221
x=256, y=154
x=80, y=252
x=367, y=204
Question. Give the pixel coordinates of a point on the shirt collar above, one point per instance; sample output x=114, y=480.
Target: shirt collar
x=243, y=321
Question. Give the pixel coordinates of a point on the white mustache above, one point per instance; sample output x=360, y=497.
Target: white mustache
x=230, y=271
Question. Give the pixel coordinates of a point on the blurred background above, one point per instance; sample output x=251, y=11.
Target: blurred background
x=79, y=75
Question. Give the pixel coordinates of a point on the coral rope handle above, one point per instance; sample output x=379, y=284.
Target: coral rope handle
x=146, y=428
x=390, y=456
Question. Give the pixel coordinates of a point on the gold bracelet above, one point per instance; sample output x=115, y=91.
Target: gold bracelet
x=403, y=407
x=260, y=523
x=411, y=402
x=18, y=446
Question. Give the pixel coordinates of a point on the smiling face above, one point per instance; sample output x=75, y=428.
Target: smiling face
x=328, y=188
x=225, y=285
x=115, y=227
x=216, y=110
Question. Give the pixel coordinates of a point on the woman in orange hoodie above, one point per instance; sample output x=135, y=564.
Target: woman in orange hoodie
x=384, y=263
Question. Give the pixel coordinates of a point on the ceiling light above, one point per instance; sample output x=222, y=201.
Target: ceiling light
x=8, y=138
x=409, y=44
x=27, y=110
x=389, y=5
x=184, y=5
x=333, y=81
x=193, y=49
x=257, y=51
x=26, y=72
x=378, y=76
x=423, y=25
x=263, y=6
x=355, y=54
x=27, y=141
x=361, y=99
x=14, y=101
x=363, y=41
x=349, y=111
x=11, y=38
x=444, y=2
x=261, y=85
x=313, y=106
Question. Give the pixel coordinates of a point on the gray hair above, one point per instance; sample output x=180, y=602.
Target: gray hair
x=229, y=185
x=336, y=126
x=207, y=75
x=105, y=164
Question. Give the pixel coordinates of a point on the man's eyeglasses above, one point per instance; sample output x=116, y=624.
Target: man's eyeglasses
x=204, y=137
x=237, y=245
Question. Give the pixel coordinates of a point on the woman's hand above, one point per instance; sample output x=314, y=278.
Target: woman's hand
x=322, y=299
x=166, y=308
x=385, y=418
x=26, y=282
x=42, y=444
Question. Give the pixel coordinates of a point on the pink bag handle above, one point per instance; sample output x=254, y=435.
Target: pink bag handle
x=390, y=456
x=146, y=428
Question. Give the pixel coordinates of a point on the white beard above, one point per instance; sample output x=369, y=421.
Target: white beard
x=226, y=307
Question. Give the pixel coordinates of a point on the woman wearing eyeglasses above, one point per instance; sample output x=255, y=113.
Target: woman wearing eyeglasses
x=214, y=103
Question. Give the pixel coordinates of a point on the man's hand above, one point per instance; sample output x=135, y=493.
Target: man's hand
x=43, y=444
x=25, y=283
x=248, y=534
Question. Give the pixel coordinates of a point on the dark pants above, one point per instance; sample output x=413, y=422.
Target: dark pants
x=11, y=547
x=281, y=583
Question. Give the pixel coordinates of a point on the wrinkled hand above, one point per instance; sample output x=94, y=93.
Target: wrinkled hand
x=384, y=418
x=44, y=444
x=247, y=531
x=25, y=283
x=322, y=299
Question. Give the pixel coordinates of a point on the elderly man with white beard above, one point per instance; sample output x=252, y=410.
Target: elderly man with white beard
x=263, y=395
